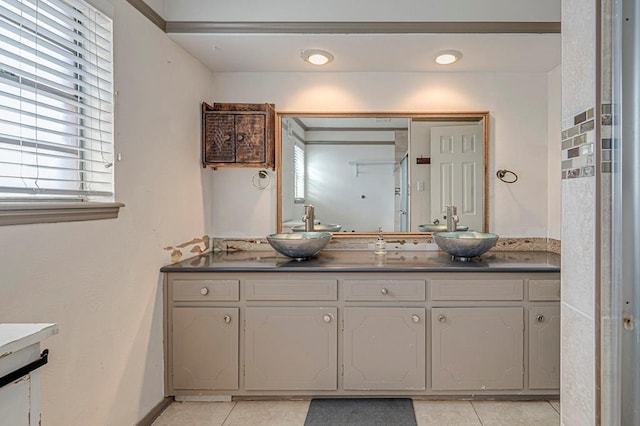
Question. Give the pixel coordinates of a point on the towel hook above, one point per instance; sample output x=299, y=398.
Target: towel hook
x=501, y=174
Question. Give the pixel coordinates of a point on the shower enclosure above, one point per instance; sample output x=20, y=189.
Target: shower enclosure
x=620, y=337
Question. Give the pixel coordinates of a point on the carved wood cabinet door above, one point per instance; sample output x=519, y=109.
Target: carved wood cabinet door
x=238, y=135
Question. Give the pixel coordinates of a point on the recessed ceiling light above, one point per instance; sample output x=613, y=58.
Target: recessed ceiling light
x=448, y=57
x=316, y=56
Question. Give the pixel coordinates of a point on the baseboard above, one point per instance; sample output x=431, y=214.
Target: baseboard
x=203, y=398
x=155, y=412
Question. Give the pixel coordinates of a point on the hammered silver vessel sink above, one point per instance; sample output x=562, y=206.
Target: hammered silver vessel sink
x=430, y=227
x=329, y=227
x=299, y=245
x=465, y=245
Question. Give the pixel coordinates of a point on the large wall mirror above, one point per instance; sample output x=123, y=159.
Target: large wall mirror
x=392, y=171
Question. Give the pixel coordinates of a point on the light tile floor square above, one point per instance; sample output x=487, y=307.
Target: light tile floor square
x=195, y=413
x=516, y=413
x=268, y=413
x=445, y=413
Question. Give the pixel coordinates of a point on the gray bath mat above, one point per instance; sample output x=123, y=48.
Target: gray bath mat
x=361, y=412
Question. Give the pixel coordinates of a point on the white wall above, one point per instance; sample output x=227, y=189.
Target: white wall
x=554, y=153
x=362, y=203
x=517, y=102
x=100, y=280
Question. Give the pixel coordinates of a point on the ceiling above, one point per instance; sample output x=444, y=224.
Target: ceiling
x=241, y=50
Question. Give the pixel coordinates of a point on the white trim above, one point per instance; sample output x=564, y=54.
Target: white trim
x=34, y=212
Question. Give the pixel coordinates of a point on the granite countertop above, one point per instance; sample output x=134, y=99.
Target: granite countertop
x=367, y=261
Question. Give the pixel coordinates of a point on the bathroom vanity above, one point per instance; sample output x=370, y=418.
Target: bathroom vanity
x=257, y=324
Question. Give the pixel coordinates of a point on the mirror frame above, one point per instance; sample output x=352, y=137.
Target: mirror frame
x=426, y=116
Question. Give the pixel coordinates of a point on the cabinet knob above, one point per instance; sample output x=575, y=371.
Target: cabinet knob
x=384, y=291
x=204, y=291
x=227, y=137
x=240, y=138
x=442, y=318
x=227, y=319
x=415, y=318
x=327, y=318
x=540, y=318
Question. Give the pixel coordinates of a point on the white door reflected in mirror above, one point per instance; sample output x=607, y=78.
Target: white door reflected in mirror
x=456, y=173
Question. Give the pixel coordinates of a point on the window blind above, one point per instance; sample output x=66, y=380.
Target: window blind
x=299, y=173
x=56, y=101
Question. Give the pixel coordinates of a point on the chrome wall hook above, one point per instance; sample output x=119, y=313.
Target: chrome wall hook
x=503, y=173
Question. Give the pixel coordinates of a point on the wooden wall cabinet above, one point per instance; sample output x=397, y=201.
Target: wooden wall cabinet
x=238, y=135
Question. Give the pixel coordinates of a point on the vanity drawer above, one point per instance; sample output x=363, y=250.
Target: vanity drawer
x=192, y=290
x=382, y=290
x=472, y=289
x=543, y=290
x=290, y=289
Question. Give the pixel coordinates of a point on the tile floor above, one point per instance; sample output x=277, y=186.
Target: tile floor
x=428, y=413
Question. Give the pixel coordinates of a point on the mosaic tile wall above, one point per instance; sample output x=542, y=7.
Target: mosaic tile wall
x=607, y=125
x=579, y=144
x=578, y=140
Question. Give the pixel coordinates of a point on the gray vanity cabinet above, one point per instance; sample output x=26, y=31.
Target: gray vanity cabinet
x=202, y=331
x=384, y=348
x=477, y=348
x=544, y=347
x=205, y=348
x=351, y=333
x=291, y=348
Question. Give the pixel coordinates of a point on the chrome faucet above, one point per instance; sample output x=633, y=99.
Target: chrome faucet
x=452, y=218
x=308, y=218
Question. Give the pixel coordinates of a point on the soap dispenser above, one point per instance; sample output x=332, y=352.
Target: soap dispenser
x=381, y=246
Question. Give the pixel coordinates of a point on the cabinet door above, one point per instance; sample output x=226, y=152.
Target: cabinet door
x=205, y=348
x=220, y=145
x=384, y=348
x=477, y=348
x=544, y=347
x=291, y=348
x=15, y=403
x=250, y=138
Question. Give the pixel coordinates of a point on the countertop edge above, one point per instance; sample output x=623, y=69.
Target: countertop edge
x=357, y=269
x=359, y=261
x=17, y=336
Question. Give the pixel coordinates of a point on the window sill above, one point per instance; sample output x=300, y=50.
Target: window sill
x=26, y=213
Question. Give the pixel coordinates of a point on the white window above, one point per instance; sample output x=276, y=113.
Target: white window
x=299, y=174
x=56, y=102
